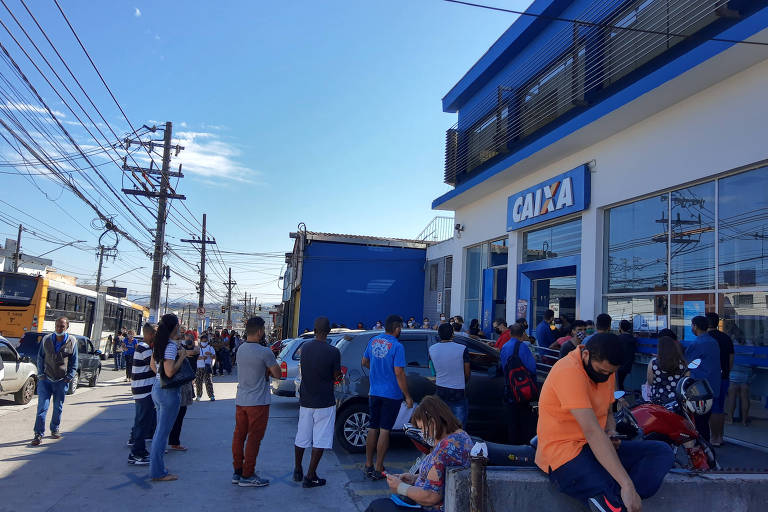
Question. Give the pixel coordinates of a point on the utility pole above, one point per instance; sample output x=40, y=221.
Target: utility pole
x=229, y=284
x=162, y=205
x=203, y=242
x=17, y=254
x=167, y=274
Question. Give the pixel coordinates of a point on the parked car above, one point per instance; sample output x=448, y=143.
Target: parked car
x=289, y=360
x=89, y=362
x=20, y=374
x=485, y=391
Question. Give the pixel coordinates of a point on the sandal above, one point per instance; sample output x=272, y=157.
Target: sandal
x=167, y=478
x=178, y=447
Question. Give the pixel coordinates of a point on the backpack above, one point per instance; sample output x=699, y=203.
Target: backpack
x=519, y=385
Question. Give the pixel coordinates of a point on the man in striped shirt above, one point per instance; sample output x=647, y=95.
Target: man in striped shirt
x=142, y=378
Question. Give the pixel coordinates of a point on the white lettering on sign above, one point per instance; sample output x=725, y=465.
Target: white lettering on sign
x=546, y=199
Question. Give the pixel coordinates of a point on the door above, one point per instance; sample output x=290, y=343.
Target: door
x=494, y=298
x=11, y=366
x=557, y=294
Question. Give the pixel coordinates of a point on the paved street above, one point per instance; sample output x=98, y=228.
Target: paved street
x=87, y=469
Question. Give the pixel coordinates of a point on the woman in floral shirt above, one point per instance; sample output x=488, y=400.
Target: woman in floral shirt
x=451, y=449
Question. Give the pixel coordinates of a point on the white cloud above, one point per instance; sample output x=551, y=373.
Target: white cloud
x=183, y=124
x=207, y=156
x=31, y=108
x=137, y=12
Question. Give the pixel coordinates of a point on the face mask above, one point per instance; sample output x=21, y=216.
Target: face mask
x=442, y=319
x=581, y=335
x=497, y=330
x=597, y=377
x=590, y=330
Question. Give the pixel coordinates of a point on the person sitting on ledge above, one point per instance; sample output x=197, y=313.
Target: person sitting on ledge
x=577, y=444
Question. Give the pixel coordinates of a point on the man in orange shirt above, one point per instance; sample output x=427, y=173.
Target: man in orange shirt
x=577, y=445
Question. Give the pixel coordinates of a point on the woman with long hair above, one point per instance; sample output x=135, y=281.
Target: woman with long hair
x=665, y=370
x=474, y=328
x=167, y=359
x=450, y=449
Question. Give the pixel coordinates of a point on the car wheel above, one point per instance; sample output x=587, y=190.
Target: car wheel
x=73, y=385
x=92, y=382
x=25, y=394
x=352, y=428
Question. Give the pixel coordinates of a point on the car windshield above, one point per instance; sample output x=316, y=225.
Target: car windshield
x=17, y=290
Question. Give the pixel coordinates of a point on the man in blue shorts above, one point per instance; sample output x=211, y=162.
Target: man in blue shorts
x=385, y=357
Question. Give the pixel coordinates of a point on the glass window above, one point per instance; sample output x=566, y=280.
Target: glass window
x=16, y=290
x=416, y=353
x=693, y=238
x=433, y=277
x=743, y=229
x=448, y=272
x=682, y=309
x=637, y=246
x=648, y=313
x=553, y=241
x=476, y=259
x=745, y=317
x=6, y=353
x=499, y=253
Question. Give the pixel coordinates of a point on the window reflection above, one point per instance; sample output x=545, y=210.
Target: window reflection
x=648, y=313
x=637, y=246
x=693, y=238
x=553, y=241
x=745, y=317
x=499, y=252
x=743, y=233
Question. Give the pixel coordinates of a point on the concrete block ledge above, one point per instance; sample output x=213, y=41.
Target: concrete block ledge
x=524, y=489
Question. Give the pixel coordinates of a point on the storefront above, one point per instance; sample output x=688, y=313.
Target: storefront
x=646, y=198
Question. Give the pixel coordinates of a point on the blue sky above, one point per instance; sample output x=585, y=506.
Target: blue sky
x=325, y=112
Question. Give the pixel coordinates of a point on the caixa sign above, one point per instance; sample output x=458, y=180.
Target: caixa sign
x=562, y=195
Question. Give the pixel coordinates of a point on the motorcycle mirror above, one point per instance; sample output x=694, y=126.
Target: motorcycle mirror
x=617, y=395
x=694, y=364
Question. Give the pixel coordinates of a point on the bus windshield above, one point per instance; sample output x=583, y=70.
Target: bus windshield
x=16, y=289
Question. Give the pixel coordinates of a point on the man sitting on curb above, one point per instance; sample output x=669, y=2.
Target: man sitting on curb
x=577, y=445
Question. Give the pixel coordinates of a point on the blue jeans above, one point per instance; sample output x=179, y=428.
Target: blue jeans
x=646, y=462
x=167, y=402
x=460, y=409
x=143, y=425
x=119, y=361
x=45, y=390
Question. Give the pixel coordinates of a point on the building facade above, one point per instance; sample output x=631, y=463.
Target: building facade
x=614, y=165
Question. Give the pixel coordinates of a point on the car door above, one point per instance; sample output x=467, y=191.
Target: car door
x=486, y=388
x=87, y=361
x=11, y=364
x=419, y=376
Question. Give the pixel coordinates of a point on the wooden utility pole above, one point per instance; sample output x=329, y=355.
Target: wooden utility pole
x=17, y=254
x=162, y=205
x=203, y=243
x=229, y=284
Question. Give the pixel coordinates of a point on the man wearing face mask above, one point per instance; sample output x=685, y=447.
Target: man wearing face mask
x=577, y=443
x=56, y=368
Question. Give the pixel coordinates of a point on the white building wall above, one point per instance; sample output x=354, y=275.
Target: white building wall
x=717, y=130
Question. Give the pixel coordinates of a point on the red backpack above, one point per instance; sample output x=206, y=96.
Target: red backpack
x=519, y=385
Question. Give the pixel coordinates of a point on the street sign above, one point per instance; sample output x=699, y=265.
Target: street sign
x=201, y=310
x=116, y=291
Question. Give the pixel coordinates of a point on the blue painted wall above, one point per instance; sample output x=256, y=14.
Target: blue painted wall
x=356, y=283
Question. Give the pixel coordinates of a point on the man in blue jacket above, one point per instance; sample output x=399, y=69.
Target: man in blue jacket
x=704, y=347
x=56, y=368
x=544, y=335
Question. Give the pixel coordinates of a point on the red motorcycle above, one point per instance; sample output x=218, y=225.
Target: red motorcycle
x=673, y=423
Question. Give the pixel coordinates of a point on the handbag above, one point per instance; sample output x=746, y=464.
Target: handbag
x=185, y=374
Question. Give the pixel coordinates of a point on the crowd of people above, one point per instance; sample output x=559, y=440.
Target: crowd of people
x=577, y=443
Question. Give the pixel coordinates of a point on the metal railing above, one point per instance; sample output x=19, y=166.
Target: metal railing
x=439, y=229
x=603, y=46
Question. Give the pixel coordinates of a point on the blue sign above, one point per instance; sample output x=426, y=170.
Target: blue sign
x=691, y=308
x=562, y=195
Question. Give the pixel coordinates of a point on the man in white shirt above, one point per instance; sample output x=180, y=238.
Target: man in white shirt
x=204, y=369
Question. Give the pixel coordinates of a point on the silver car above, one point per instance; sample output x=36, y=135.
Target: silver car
x=289, y=358
x=19, y=374
x=333, y=339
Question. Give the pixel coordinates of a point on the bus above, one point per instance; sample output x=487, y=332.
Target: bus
x=33, y=303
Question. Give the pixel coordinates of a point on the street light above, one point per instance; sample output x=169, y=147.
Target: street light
x=61, y=247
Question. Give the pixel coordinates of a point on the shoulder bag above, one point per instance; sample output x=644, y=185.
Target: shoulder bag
x=185, y=374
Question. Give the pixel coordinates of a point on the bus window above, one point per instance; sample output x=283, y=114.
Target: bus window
x=16, y=290
x=59, y=301
x=70, y=303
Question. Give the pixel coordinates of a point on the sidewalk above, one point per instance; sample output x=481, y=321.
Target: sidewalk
x=87, y=469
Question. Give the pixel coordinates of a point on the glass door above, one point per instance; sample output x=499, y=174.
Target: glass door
x=557, y=294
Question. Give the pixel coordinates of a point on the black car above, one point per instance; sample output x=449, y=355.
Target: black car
x=89, y=362
x=485, y=391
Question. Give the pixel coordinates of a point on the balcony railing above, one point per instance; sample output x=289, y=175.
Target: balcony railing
x=438, y=230
x=602, y=47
